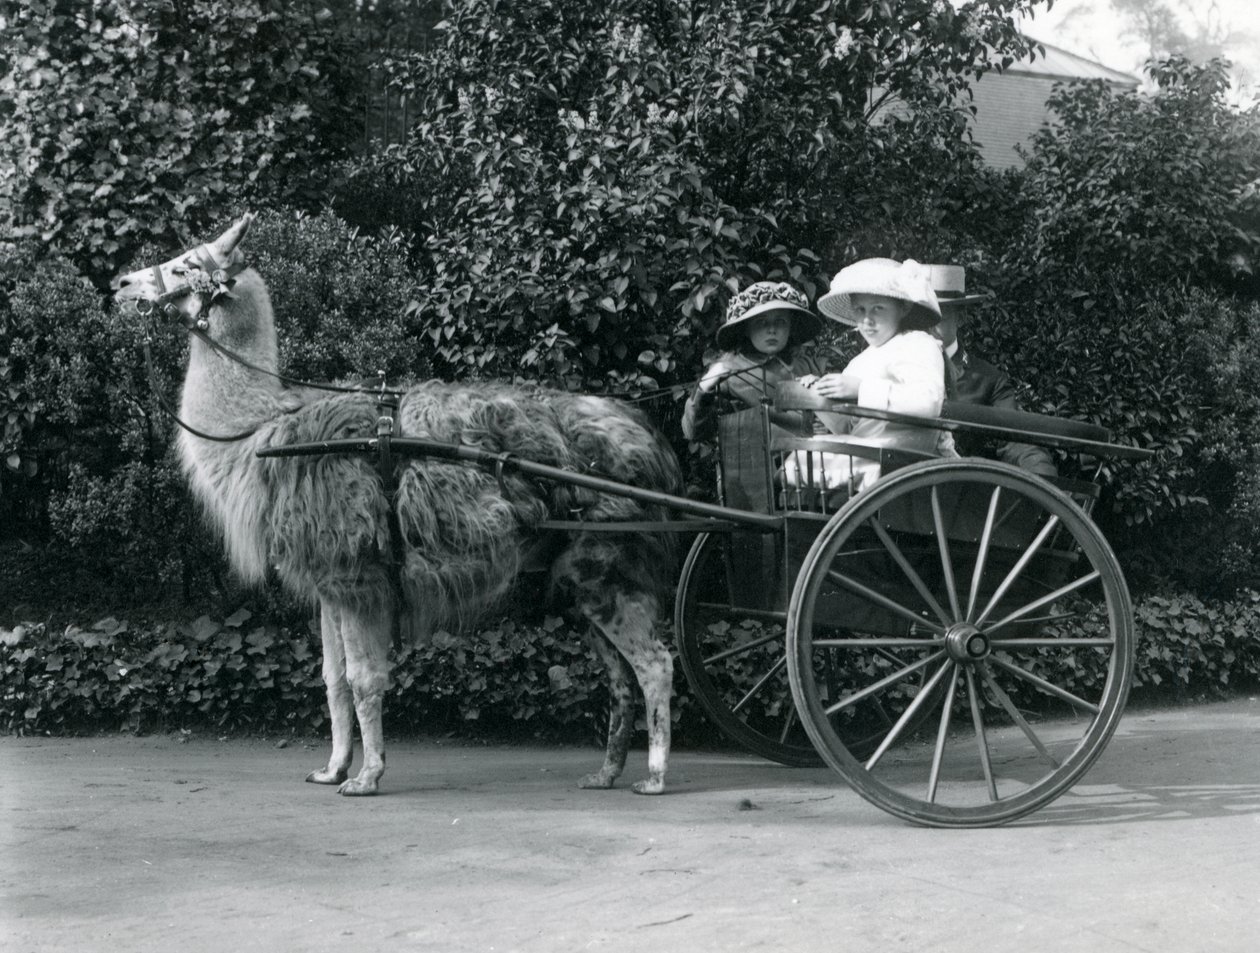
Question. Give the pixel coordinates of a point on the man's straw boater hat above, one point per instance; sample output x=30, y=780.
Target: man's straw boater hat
x=950, y=284
x=906, y=281
x=763, y=296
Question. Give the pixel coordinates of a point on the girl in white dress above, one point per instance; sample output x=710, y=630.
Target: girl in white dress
x=891, y=305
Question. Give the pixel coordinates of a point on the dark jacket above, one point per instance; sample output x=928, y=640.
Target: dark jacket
x=976, y=381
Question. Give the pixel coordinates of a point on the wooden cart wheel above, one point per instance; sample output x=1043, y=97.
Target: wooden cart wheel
x=730, y=633
x=730, y=641
x=1010, y=604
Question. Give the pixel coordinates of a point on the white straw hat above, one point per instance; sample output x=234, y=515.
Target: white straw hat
x=904, y=281
x=950, y=284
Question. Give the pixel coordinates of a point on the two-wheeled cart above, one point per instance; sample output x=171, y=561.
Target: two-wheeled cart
x=956, y=640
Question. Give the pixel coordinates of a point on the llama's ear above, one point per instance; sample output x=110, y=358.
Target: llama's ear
x=225, y=243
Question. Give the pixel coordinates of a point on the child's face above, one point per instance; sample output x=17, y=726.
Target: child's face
x=769, y=333
x=878, y=318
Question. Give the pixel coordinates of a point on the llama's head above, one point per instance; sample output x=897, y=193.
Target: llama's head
x=188, y=285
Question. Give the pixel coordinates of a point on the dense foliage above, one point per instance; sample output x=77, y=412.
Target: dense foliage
x=125, y=121
x=532, y=679
x=1125, y=295
x=592, y=179
x=535, y=678
x=583, y=187
x=88, y=446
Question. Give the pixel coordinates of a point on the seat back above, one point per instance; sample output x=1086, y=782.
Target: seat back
x=745, y=477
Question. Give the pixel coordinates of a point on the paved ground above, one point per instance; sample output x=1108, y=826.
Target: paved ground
x=156, y=846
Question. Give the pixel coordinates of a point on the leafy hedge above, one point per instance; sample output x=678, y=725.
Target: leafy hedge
x=126, y=120
x=533, y=680
x=590, y=180
x=237, y=675
x=85, y=461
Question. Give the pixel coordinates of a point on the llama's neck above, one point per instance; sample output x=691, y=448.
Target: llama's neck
x=222, y=395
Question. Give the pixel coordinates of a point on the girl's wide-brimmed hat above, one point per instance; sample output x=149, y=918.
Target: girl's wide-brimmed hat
x=904, y=280
x=763, y=296
x=950, y=284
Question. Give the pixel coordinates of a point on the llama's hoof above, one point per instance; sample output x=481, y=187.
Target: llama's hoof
x=327, y=776
x=649, y=786
x=357, y=788
x=600, y=780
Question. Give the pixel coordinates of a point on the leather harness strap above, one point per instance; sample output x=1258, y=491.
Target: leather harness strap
x=395, y=558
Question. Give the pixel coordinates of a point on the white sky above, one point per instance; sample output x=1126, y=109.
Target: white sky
x=1090, y=28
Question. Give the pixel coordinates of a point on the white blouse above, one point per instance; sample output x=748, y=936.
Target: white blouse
x=905, y=375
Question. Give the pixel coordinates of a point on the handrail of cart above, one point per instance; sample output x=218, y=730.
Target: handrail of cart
x=995, y=422
x=502, y=462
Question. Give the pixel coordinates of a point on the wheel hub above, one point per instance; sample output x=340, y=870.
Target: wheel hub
x=966, y=643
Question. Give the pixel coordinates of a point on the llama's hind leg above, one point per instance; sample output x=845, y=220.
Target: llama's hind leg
x=629, y=622
x=366, y=635
x=340, y=701
x=620, y=717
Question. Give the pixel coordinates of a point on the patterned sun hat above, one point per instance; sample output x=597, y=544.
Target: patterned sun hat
x=904, y=280
x=763, y=296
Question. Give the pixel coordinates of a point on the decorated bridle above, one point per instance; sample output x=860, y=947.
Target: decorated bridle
x=204, y=277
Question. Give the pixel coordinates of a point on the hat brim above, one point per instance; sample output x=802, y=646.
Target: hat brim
x=805, y=324
x=960, y=299
x=835, y=305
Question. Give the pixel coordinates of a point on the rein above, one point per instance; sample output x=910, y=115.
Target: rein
x=208, y=280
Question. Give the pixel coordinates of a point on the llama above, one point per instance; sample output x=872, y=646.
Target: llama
x=323, y=523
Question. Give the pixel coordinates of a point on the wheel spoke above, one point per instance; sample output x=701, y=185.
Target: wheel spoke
x=947, y=565
x=761, y=682
x=947, y=709
x=744, y=647
x=1005, y=701
x=907, y=716
x=788, y=722
x=1050, y=642
x=1018, y=568
x=874, y=688
x=982, y=740
x=882, y=600
x=1045, y=600
x=983, y=554
x=879, y=642
x=915, y=580
x=1044, y=685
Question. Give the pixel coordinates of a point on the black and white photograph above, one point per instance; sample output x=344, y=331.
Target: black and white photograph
x=773, y=475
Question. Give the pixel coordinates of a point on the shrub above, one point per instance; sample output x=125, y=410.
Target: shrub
x=536, y=679
x=591, y=180
x=89, y=472
x=127, y=120
x=1115, y=303
x=1131, y=188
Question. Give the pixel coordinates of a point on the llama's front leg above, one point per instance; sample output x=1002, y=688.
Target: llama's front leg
x=620, y=717
x=340, y=701
x=366, y=636
x=632, y=629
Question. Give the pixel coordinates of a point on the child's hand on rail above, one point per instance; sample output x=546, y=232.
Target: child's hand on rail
x=837, y=386
x=715, y=372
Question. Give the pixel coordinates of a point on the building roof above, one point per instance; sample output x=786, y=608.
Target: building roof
x=1058, y=64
